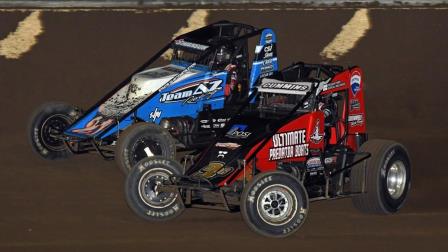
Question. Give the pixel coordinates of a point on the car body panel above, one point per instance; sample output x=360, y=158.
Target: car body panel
x=199, y=87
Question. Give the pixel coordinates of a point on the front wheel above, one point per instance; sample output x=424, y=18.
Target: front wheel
x=46, y=128
x=143, y=189
x=274, y=204
x=143, y=140
x=385, y=178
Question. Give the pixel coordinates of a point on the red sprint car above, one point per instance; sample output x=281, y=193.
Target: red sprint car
x=299, y=137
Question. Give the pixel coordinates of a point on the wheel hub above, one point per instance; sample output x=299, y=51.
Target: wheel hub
x=149, y=189
x=396, y=179
x=277, y=204
x=51, y=131
x=146, y=147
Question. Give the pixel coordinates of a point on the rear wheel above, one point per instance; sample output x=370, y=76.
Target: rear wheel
x=385, y=177
x=274, y=204
x=47, y=126
x=143, y=193
x=143, y=140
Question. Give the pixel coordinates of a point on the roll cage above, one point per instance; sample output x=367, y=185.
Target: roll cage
x=316, y=74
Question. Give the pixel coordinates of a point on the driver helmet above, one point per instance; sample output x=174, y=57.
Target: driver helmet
x=223, y=55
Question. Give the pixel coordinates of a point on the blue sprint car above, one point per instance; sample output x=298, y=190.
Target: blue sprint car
x=178, y=99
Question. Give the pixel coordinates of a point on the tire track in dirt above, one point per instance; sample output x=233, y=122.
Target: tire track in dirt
x=349, y=35
x=23, y=38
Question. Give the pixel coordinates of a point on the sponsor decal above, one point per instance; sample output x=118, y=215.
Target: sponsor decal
x=211, y=169
x=268, y=38
x=230, y=146
x=330, y=160
x=193, y=92
x=267, y=74
x=355, y=82
x=215, y=123
x=182, y=42
x=258, y=49
x=333, y=85
x=155, y=114
x=313, y=162
x=221, y=120
x=238, y=131
x=268, y=52
x=355, y=105
x=268, y=48
x=355, y=120
x=267, y=61
x=224, y=171
x=265, y=51
x=386, y=162
x=285, y=86
x=316, y=137
x=289, y=144
x=222, y=154
x=296, y=222
x=164, y=213
x=267, y=68
x=214, y=169
x=256, y=187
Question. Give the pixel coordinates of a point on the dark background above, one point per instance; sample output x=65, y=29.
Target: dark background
x=78, y=204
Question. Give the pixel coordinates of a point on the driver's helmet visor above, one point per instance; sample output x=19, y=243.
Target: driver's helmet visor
x=223, y=55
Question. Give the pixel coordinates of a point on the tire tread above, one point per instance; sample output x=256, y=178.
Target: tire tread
x=370, y=201
x=124, y=138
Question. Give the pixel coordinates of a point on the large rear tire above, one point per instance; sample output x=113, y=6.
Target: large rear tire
x=141, y=189
x=143, y=140
x=274, y=204
x=385, y=177
x=46, y=127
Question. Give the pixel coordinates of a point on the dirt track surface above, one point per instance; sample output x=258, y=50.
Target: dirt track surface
x=78, y=204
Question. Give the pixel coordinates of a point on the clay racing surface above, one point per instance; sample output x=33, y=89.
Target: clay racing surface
x=78, y=205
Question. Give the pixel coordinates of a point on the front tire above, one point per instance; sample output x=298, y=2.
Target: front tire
x=386, y=176
x=274, y=204
x=143, y=140
x=141, y=191
x=46, y=128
